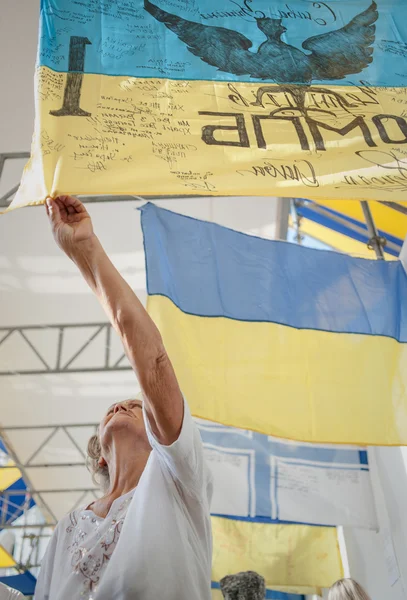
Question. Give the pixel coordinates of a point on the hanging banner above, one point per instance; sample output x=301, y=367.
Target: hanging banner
x=262, y=479
x=168, y=97
x=277, y=338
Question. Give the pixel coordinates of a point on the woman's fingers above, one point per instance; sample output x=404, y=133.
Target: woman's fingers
x=72, y=202
x=53, y=211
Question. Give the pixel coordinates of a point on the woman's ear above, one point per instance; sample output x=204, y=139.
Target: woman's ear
x=101, y=462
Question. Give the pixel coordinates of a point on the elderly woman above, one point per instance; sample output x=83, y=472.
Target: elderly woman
x=149, y=535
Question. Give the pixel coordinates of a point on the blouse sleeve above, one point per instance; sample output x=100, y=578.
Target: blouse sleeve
x=184, y=459
x=43, y=587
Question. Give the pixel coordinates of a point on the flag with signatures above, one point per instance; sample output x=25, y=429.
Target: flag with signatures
x=270, y=480
x=244, y=97
x=274, y=492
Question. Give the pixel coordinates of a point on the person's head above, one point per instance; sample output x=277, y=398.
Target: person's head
x=272, y=28
x=347, y=589
x=122, y=426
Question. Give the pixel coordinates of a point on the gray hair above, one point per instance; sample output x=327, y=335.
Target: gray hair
x=347, y=589
x=100, y=475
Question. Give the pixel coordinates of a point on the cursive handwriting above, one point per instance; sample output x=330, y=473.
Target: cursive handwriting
x=243, y=10
x=300, y=170
x=393, y=47
x=290, y=13
x=391, y=171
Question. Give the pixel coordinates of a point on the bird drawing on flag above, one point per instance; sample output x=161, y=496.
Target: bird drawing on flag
x=333, y=55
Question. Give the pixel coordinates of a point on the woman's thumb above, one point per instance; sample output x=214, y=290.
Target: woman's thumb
x=53, y=211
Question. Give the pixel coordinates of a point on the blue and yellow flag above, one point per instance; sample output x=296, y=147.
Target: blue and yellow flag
x=168, y=97
x=284, y=340
x=199, y=273
x=13, y=500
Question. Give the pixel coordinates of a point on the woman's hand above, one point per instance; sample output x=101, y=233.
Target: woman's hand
x=70, y=222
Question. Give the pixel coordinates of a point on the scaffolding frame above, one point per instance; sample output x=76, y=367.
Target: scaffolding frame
x=100, y=333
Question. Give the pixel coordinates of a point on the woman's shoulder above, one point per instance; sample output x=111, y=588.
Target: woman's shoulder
x=68, y=522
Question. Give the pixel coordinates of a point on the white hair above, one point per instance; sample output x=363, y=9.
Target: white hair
x=347, y=589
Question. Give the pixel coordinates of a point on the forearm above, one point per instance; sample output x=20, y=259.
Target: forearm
x=141, y=339
x=73, y=231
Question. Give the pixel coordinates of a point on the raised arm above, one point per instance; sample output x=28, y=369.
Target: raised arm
x=73, y=232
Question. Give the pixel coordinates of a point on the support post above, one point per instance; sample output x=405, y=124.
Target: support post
x=376, y=242
x=282, y=216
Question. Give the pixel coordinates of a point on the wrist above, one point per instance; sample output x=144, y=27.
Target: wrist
x=84, y=249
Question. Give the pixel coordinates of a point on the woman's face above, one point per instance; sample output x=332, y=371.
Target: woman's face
x=122, y=418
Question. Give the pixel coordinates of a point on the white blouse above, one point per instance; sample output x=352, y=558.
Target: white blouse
x=155, y=542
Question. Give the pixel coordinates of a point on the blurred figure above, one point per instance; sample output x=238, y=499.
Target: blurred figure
x=347, y=589
x=243, y=586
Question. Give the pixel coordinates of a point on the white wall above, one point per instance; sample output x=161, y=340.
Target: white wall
x=18, y=44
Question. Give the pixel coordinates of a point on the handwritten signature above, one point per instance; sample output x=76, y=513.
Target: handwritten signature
x=300, y=170
x=391, y=171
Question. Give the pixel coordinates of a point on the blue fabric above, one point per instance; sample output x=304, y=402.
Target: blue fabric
x=14, y=502
x=262, y=486
x=126, y=39
x=212, y=271
x=24, y=583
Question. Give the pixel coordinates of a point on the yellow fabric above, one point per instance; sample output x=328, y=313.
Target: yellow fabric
x=338, y=241
x=386, y=219
x=8, y=477
x=285, y=555
x=139, y=127
x=350, y=390
x=6, y=560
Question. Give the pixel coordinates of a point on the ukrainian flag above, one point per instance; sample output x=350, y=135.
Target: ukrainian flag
x=12, y=505
x=160, y=97
x=284, y=340
x=251, y=327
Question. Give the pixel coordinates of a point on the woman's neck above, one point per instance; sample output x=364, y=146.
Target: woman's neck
x=124, y=475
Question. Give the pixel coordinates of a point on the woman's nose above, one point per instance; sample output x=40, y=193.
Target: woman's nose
x=120, y=407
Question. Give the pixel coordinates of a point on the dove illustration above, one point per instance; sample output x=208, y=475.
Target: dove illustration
x=330, y=56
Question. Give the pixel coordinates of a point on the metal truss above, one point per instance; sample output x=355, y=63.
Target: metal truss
x=50, y=433
x=43, y=498
x=66, y=349
x=8, y=505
